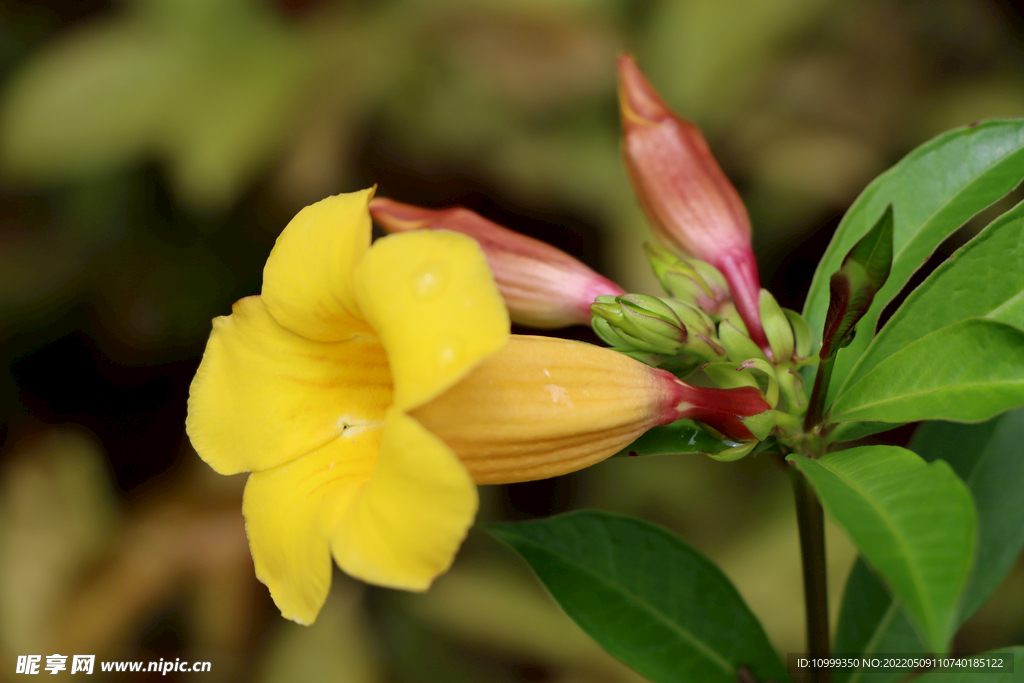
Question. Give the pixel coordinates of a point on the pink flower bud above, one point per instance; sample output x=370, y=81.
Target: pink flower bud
x=692, y=206
x=543, y=287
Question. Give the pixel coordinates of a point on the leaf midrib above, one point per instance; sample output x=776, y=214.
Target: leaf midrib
x=879, y=631
x=698, y=644
x=998, y=309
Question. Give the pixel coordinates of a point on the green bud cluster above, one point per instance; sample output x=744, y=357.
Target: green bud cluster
x=690, y=280
x=654, y=329
x=697, y=327
x=747, y=364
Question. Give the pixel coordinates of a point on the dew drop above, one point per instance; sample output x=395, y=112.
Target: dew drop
x=559, y=395
x=449, y=351
x=429, y=282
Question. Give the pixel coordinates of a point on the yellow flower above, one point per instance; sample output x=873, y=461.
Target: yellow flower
x=368, y=389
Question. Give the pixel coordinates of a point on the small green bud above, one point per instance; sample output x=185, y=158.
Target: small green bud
x=776, y=328
x=621, y=340
x=650, y=306
x=662, y=326
x=701, y=340
x=688, y=279
x=791, y=384
x=738, y=346
x=695, y=320
x=667, y=335
x=801, y=335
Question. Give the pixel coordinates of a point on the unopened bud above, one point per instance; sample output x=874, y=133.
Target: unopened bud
x=543, y=287
x=659, y=330
x=662, y=326
x=692, y=206
x=777, y=328
x=689, y=279
x=803, y=345
x=738, y=346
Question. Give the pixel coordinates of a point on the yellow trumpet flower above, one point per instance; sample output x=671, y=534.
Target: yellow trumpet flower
x=369, y=388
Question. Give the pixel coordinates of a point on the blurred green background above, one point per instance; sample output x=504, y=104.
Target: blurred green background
x=152, y=150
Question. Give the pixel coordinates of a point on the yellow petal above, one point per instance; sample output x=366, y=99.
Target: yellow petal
x=264, y=396
x=407, y=524
x=433, y=302
x=307, y=282
x=542, y=407
x=290, y=513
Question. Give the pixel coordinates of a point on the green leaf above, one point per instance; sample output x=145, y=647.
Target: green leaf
x=994, y=472
x=852, y=288
x=851, y=431
x=933, y=190
x=682, y=436
x=871, y=622
x=648, y=598
x=914, y=523
x=988, y=458
x=947, y=676
x=984, y=279
x=967, y=372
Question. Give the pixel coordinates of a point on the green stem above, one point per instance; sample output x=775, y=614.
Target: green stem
x=811, y=521
x=816, y=405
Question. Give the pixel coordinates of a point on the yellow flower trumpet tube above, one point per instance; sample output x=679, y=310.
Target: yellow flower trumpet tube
x=691, y=204
x=368, y=388
x=542, y=286
x=542, y=407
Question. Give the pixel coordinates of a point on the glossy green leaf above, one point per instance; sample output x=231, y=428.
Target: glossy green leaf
x=647, y=597
x=933, y=190
x=984, y=279
x=969, y=371
x=682, y=436
x=981, y=677
x=852, y=288
x=989, y=458
x=914, y=523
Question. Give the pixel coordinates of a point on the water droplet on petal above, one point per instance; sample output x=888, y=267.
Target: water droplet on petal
x=559, y=395
x=429, y=281
x=449, y=351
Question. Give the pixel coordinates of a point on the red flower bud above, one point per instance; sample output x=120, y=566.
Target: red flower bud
x=543, y=287
x=692, y=206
